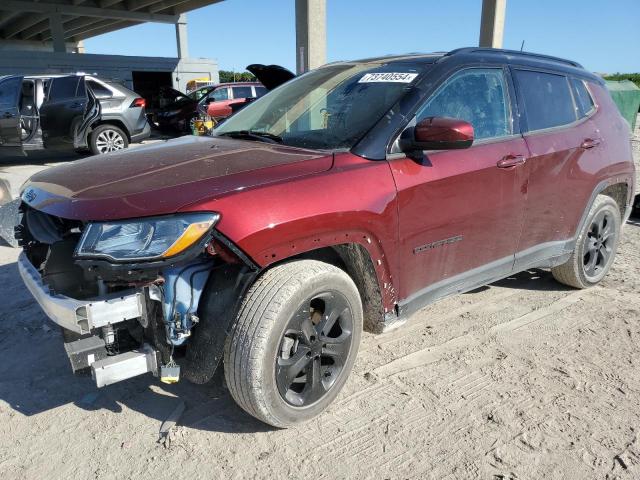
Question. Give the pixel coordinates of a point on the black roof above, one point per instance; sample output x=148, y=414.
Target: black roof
x=479, y=55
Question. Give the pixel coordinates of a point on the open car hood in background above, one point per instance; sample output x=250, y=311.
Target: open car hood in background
x=271, y=76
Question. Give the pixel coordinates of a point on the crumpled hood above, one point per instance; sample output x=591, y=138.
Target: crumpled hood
x=163, y=178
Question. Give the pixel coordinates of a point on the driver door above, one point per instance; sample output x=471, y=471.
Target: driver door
x=10, y=132
x=68, y=112
x=461, y=211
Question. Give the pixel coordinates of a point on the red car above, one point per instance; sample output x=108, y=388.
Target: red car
x=270, y=76
x=218, y=103
x=180, y=114
x=344, y=200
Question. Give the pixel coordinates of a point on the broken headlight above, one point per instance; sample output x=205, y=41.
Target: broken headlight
x=152, y=238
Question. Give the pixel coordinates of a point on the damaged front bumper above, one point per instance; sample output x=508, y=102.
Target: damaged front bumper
x=83, y=316
x=80, y=316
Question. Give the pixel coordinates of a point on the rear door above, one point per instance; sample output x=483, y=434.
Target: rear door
x=67, y=113
x=10, y=132
x=564, y=148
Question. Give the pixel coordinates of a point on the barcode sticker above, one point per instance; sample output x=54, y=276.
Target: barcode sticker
x=395, y=77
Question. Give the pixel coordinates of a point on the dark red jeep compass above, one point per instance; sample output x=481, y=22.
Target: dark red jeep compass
x=347, y=198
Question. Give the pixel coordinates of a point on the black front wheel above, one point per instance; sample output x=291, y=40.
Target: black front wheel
x=294, y=343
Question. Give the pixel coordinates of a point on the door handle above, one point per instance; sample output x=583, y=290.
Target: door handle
x=509, y=161
x=590, y=143
x=9, y=115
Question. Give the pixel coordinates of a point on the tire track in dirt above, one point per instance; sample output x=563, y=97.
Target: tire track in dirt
x=434, y=353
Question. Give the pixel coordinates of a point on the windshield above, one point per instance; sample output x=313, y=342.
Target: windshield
x=330, y=108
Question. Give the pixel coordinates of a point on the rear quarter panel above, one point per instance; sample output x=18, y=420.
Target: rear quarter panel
x=617, y=151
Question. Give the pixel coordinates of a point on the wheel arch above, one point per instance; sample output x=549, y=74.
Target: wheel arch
x=111, y=121
x=618, y=188
x=356, y=261
x=620, y=193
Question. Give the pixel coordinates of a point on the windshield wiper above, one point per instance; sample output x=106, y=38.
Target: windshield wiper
x=254, y=135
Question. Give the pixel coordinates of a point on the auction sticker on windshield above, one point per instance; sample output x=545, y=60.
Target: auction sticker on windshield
x=397, y=77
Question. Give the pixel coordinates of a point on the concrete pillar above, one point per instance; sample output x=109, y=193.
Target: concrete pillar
x=311, y=34
x=181, y=36
x=492, y=23
x=57, y=33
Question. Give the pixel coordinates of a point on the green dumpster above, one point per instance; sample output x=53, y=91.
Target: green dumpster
x=626, y=95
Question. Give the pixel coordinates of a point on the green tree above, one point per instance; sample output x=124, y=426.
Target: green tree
x=634, y=77
x=227, y=76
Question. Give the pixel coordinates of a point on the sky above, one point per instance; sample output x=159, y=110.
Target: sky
x=602, y=35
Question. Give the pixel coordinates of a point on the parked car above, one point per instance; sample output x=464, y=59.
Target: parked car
x=180, y=115
x=270, y=77
x=348, y=198
x=69, y=111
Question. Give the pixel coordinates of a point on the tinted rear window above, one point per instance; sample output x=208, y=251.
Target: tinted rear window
x=98, y=89
x=63, y=88
x=260, y=91
x=547, y=99
x=583, y=98
x=242, y=92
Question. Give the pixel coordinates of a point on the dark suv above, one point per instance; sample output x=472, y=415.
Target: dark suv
x=78, y=112
x=347, y=198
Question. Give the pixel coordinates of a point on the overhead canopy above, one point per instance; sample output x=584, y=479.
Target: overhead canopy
x=80, y=19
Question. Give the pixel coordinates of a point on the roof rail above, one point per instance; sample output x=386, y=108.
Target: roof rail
x=512, y=52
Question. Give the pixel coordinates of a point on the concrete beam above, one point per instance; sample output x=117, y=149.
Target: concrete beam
x=57, y=33
x=492, y=23
x=7, y=17
x=181, y=37
x=79, y=29
x=50, y=8
x=100, y=30
x=311, y=34
x=38, y=28
x=24, y=23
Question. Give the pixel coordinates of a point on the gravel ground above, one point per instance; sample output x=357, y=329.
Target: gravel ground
x=521, y=379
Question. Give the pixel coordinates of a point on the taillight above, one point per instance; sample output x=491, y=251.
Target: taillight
x=138, y=102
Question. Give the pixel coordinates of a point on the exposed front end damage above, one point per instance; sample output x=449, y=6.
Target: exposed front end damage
x=123, y=319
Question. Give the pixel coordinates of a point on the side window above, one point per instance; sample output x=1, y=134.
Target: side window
x=98, y=90
x=220, y=94
x=584, y=102
x=9, y=92
x=63, y=88
x=242, y=92
x=476, y=95
x=547, y=99
x=260, y=91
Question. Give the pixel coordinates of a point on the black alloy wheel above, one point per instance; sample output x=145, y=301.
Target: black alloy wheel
x=314, y=349
x=598, y=244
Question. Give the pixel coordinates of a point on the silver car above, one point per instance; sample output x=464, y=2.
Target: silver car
x=81, y=112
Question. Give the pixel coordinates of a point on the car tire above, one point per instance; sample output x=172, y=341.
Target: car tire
x=189, y=125
x=107, y=138
x=595, y=247
x=294, y=342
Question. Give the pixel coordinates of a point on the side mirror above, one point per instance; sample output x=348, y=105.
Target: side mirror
x=437, y=133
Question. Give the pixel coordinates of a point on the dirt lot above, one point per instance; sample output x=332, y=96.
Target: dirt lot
x=521, y=379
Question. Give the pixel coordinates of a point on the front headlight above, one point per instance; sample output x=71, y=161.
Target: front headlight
x=151, y=238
